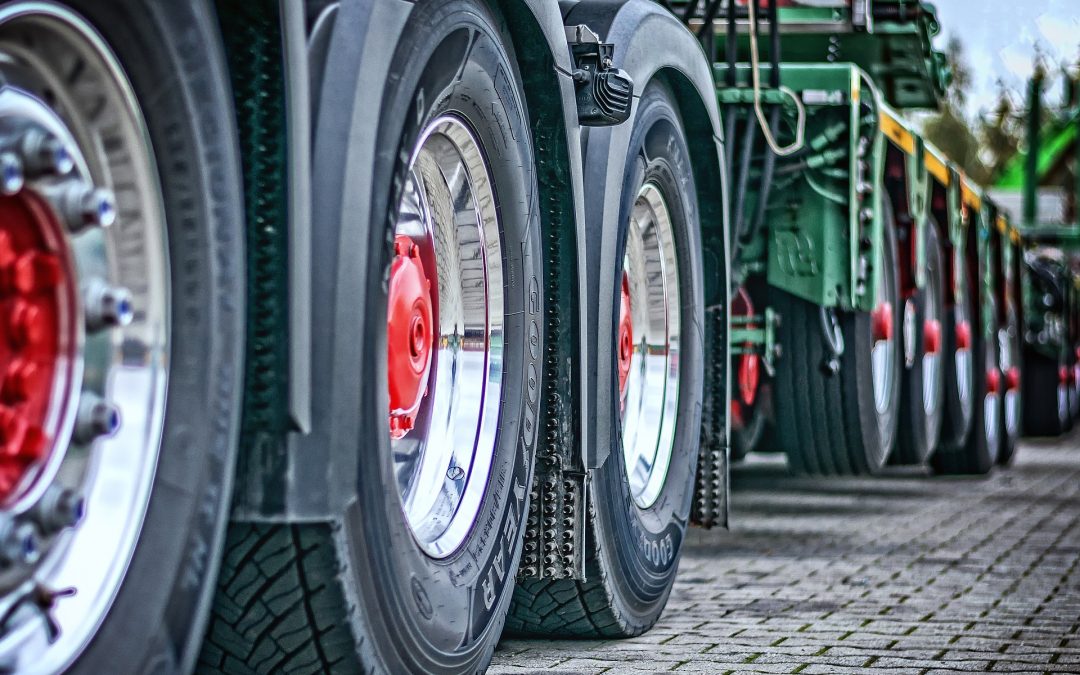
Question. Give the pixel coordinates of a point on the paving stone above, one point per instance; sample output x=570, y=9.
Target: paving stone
x=901, y=574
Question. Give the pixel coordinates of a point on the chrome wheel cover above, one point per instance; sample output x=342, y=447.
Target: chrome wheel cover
x=991, y=406
x=109, y=412
x=448, y=209
x=933, y=375
x=649, y=396
x=1009, y=350
x=963, y=360
x=883, y=355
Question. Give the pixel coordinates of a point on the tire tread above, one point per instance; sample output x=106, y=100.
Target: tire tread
x=279, y=606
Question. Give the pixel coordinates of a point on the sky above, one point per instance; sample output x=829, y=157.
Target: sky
x=1000, y=38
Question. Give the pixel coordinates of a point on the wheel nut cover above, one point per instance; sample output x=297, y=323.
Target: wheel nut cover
x=881, y=322
x=33, y=285
x=625, y=337
x=409, y=330
x=1012, y=379
x=963, y=335
x=932, y=336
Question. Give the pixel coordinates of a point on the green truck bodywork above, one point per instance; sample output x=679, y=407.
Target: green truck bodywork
x=824, y=212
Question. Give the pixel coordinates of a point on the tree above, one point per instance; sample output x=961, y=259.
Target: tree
x=1001, y=133
x=950, y=130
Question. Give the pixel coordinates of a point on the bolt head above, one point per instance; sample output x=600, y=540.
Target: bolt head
x=98, y=207
x=11, y=174
x=97, y=418
x=44, y=154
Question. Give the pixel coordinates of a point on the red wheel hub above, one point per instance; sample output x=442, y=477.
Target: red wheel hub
x=1012, y=379
x=737, y=421
x=993, y=381
x=625, y=337
x=881, y=322
x=409, y=335
x=932, y=336
x=748, y=370
x=963, y=335
x=36, y=298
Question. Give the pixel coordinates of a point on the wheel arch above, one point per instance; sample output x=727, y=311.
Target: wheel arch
x=635, y=28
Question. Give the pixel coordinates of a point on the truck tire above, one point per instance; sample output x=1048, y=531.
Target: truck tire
x=1073, y=370
x=132, y=334
x=1043, y=388
x=841, y=423
x=640, y=499
x=416, y=574
x=959, y=369
x=922, y=397
x=983, y=446
x=750, y=436
x=1009, y=338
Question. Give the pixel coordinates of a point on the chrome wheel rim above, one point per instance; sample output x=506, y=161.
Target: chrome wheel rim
x=443, y=450
x=991, y=366
x=649, y=389
x=933, y=377
x=883, y=354
x=991, y=407
x=963, y=361
x=1007, y=344
x=86, y=502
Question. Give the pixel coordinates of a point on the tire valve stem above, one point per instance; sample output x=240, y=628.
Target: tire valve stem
x=97, y=418
x=41, y=599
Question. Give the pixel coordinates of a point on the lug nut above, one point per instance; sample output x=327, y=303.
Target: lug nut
x=81, y=205
x=18, y=543
x=43, y=154
x=58, y=508
x=96, y=418
x=106, y=306
x=11, y=174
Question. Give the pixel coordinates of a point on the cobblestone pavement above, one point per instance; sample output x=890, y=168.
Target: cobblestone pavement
x=902, y=574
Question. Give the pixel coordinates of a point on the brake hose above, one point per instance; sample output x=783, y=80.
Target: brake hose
x=800, y=125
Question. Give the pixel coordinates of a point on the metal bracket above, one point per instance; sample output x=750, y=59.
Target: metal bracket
x=604, y=93
x=759, y=331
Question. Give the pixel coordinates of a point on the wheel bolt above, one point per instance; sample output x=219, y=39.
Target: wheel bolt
x=82, y=205
x=19, y=543
x=58, y=508
x=97, y=418
x=43, y=154
x=11, y=174
x=106, y=306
